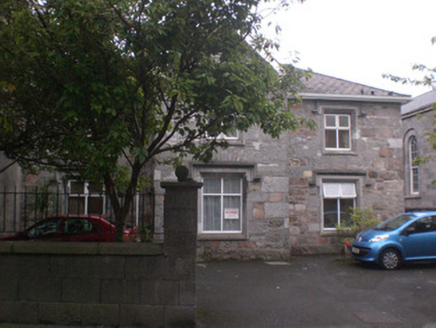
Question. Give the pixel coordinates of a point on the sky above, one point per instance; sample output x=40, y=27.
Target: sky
x=359, y=40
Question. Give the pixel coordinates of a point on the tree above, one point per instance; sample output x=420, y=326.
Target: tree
x=428, y=79
x=100, y=88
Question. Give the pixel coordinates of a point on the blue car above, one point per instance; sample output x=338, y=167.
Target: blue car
x=405, y=237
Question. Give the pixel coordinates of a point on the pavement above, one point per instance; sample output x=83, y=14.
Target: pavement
x=310, y=292
x=315, y=291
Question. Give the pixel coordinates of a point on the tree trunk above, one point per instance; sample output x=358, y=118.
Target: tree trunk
x=147, y=220
x=122, y=207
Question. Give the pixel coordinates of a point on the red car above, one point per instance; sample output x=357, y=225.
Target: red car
x=90, y=228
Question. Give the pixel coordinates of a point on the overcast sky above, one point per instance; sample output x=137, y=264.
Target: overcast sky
x=360, y=40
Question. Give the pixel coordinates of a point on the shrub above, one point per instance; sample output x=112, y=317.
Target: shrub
x=360, y=219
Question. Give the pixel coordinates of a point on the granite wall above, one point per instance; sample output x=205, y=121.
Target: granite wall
x=114, y=284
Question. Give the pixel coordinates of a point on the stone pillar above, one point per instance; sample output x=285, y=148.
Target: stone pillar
x=180, y=249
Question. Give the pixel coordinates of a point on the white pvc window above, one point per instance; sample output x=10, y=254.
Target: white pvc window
x=338, y=198
x=337, y=131
x=413, y=166
x=84, y=198
x=222, y=205
x=232, y=134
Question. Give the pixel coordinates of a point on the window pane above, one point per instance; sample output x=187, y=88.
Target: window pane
x=330, y=213
x=345, y=214
x=231, y=133
x=77, y=187
x=212, y=185
x=232, y=217
x=93, y=189
x=413, y=148
x=212, y=213
x=95, y=205
x=330, y=138
x=415, y=182
x=76, y=205
x=413, y=167
x=45, y=228
x=344, y=139
x=344, y=121
x=330, y=120
x=74, y=226
x=232, y=185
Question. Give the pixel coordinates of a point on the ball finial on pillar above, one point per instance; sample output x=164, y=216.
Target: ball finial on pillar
x=182, y=173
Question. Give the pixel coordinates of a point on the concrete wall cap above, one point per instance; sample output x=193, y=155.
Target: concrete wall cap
x=76, y=248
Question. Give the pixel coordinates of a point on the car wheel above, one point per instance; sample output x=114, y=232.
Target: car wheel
x=390, y=259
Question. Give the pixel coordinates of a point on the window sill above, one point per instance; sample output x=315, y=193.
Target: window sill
x=418, y=196
x=221, y=236
x=329, y=233
x=230, y=142
x=339, y=153
x=235, y=143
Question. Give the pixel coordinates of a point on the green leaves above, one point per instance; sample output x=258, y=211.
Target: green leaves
x=141, y=153
x=91, y=86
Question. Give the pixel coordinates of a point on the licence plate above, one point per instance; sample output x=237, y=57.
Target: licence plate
x=355, y=250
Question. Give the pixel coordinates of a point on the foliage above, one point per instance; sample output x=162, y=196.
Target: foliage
x=360, y=219
x=429, y=74
x=41, y=202
x=146, y=233
x=94, y=87
x=428, y=79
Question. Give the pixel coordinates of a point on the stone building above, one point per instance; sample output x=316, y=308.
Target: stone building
x=270, y=198
x=417, y=120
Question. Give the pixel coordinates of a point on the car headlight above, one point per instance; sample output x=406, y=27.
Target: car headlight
x=378, y=238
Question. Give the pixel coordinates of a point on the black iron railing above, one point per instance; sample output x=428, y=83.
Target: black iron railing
x=19, y=210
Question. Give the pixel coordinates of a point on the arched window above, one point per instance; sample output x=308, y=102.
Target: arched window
x=413, y=165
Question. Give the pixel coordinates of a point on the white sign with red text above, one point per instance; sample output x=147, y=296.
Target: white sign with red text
x=231, y=213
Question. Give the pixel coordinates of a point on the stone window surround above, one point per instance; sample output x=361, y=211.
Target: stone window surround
x=246, y=171
x=353, y=111
x=357, y=178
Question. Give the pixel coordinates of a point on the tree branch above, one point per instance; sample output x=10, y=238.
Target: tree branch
x=8, y=166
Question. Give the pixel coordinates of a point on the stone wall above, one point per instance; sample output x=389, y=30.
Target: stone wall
x=375, y=164
x=283, y=178
x=262, y=161
x=419, y=125
x=126, y=285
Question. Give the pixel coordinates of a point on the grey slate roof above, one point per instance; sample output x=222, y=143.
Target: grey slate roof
x=422, y=102
x=323, y=84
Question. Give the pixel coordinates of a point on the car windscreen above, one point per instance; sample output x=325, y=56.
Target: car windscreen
x=394, y=222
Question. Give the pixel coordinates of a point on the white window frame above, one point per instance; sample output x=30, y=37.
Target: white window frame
x=86, y=195
x=413, y=167
x=224, y=136
x=337, y=190
x=337, y=128
x=222, y=195
x=229, y=137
